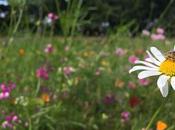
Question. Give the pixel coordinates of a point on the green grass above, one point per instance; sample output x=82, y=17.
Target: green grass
x=76, y=101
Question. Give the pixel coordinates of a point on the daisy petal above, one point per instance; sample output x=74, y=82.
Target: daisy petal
x=158, y=55
x=146, y=63
x=149, y=60
x=162, y=83
x=153, y=59
x=173, y=82
x=164, y=90
x=141, y=68
x=145, y=74
x=162, y=80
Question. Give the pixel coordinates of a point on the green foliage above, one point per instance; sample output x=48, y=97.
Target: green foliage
x=80, y=100
x=82, y=15
x=77, y=101
x=17, y=3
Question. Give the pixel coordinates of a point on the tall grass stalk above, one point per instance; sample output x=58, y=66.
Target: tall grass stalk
x=69, y=18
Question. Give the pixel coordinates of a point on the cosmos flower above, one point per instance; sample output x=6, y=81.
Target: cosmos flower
x=49, y=48
x=160, y=30
x=10, y=121
x=50, y=19
x=125, y=116
x=144, y=82
x=120, y=52
x=6, y=90
x=42, y=73
x=52, y=16
x=158, y=65
x=132, y=59
x=68, y=70
x=157, y=37
x=145, y=33
x=134, y=101
x=109, y=99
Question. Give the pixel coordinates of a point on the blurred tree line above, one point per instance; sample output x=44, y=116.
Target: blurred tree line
x=138, y=14
x=97, y=17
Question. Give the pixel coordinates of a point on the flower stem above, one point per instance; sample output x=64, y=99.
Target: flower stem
x=38, y=87
x=153, y=117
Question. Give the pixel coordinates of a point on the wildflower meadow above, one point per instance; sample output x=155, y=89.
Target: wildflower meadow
x=58, y=74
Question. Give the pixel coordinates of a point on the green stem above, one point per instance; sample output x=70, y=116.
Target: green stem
x=30, y=124
x=29, y=119
x=16, y=27
x=38, y=87
x=166, y=10
x=153, y=117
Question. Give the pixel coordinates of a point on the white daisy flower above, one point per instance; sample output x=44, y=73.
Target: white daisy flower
x=158, y=65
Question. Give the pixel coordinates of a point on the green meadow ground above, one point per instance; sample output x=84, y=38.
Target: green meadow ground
x=77, y=101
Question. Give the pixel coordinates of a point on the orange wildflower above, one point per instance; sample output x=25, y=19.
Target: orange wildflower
x=45, y=97
x=161, y=125
x=21, y=52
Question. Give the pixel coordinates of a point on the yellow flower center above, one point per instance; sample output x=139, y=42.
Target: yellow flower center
x=168, y=67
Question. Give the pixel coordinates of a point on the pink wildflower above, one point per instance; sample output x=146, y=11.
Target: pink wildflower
x=10, y=121
x=156, y=37
x=52, y=16
x=109, y=99
x=6, y=90
x=120, y=52
x=49, y=48
x=68, y=70
x=125, y=116
x=160, y=30
x=145, y=33
x=42, y=73
x=144, y=82
x=132, y=59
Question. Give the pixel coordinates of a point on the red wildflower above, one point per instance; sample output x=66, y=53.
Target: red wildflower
x=134, y=101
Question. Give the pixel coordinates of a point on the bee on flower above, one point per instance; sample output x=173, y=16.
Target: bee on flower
x=160, y=65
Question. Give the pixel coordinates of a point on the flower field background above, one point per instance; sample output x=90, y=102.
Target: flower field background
x=62, y=69
x=85, y=85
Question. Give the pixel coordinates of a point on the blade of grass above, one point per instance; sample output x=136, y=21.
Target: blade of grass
x=153, y=117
